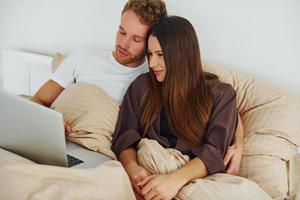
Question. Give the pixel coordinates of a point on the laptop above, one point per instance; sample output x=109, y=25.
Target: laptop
x=37, y=133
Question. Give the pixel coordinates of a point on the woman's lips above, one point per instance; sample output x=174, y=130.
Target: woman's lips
x=157, y=72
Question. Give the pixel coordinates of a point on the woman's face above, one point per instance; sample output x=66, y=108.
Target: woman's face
x=156, y=59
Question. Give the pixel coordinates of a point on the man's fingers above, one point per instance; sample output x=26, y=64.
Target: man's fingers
x=233, y=168
x=68, y=128
x=228, y=156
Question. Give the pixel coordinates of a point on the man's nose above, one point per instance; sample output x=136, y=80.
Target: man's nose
x=124, y=43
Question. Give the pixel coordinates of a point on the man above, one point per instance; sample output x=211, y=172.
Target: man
x=114, y=71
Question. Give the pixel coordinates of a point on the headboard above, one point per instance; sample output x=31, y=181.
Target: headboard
x=24, y=72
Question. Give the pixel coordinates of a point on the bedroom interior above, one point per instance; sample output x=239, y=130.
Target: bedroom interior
x=252, y=45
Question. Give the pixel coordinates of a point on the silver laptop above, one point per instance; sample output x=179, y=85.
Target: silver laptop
x=37, y=133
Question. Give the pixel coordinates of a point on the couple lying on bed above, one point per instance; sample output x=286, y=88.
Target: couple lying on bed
x=176, y=103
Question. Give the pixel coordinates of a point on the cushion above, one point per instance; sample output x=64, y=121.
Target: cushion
x=270, y=117
x=270, y=172
x=57, y=60
x=93, y=125
x=91, y=113
x=257, y=101
x=263, y=157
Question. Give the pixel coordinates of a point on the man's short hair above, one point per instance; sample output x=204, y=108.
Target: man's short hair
x=149, y=11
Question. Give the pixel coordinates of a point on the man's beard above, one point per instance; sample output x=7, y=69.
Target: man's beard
x=129, y=58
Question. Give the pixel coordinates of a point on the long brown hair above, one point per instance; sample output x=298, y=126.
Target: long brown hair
x=184, y=94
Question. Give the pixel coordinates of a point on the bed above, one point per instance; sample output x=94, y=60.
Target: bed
x=270, y=116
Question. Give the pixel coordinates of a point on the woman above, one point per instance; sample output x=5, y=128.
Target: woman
x=180, y=106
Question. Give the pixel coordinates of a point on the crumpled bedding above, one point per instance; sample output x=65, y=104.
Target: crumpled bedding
x=23, y=179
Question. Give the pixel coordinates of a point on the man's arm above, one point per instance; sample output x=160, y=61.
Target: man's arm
x=47, y=93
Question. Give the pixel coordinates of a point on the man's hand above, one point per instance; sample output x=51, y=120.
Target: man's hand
x=233, y=158
x=68, y=128
x=234, y=153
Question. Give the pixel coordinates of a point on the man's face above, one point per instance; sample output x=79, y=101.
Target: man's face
x=131, y=40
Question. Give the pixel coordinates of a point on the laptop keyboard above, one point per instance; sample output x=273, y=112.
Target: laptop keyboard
x=72, y=161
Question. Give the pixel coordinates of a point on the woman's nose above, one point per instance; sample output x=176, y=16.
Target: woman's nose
x=153, y=62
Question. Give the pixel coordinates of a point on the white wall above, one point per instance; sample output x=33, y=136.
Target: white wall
x=256, y=36
x=261, y=37
x=48, y=26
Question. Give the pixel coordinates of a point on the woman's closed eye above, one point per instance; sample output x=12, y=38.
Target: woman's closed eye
x=158, y=54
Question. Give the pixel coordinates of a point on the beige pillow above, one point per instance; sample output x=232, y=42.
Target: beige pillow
x=92, y=115
x=57, y=60
x=264, y=109
x=271, y=172
x=270, y=118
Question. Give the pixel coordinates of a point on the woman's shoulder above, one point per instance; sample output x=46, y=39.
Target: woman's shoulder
x=222, y=90
x=141, y=81
x=142, y=78
x=139, y=84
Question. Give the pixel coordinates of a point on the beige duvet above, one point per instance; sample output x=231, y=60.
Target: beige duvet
x=23, y=179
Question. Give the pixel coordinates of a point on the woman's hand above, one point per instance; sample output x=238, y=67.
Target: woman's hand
x=162, y=187
x=136, y=174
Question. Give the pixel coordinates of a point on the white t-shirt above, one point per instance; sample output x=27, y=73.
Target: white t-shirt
x=99, y=68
